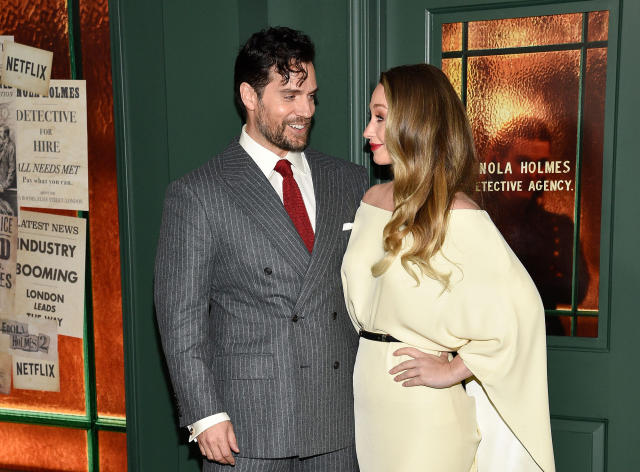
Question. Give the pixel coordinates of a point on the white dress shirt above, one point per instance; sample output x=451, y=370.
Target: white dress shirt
x=266, y=161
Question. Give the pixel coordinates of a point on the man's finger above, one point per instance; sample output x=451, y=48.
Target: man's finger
x=233, y=442
x=218, y=456
x=410, y=351
x=226, y=453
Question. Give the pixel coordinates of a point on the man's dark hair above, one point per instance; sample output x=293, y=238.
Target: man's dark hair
x=280, y=47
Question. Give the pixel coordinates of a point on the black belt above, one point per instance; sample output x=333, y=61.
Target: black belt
x=381, y=337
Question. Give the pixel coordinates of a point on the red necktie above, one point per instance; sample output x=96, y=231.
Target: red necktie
x=293, y=203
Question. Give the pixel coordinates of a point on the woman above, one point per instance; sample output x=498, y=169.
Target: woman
x=426, y=274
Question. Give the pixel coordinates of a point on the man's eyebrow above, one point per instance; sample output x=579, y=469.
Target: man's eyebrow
x=297, y=91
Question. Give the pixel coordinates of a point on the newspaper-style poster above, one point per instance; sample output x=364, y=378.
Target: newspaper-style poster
x=8, y=252
x=52, y=147
x=50, y=271
x=26, y=68
x=8, y=187
x=33, y=346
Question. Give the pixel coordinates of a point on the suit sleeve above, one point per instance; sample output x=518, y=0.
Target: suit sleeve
x=182, y=290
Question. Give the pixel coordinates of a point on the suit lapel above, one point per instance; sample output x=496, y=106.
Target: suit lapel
x=327, y=224
x=256, y=195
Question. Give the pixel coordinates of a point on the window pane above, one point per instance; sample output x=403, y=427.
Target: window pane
x=530, y=31
x=113, y=451
x=558, y=325
x=103, y=207
x=523, y=111
x=453, y=69
x=34, y=447
x=70, y=398
x=587, y=326
x=451, y=37
x=591, y=178
x=598, y=29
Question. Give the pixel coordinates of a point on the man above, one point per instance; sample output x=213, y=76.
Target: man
x=248, y=295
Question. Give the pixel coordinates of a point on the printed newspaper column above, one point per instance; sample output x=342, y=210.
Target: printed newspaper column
x=34, y=350
x=26, y=68
x=52, y=147
x=50, y=271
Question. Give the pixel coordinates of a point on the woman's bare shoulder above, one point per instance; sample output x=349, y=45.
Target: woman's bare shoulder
x=380, y=195
x=462, y=201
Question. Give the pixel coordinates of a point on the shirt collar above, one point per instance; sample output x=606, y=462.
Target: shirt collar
x=265, y=159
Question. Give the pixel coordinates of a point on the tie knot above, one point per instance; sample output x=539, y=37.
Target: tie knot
x=283, y=167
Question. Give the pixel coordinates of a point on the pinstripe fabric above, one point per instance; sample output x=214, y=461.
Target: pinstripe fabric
x=343, y=460
x=231, y=273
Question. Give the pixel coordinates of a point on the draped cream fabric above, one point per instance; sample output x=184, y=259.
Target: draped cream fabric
x=491, y=315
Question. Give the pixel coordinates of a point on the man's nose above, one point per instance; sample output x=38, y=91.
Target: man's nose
x=306, y=108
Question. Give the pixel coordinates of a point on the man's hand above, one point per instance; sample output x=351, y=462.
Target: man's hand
x=217, y=442
x=424, y=369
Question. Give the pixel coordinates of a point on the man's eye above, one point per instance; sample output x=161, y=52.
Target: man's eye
x=289, y=97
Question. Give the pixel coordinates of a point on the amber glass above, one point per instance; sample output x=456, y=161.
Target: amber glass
x=42, y=448
x=598, y=29
x=451, y=37
x=41, y=24
x=530, y=31
x=591, y=195
x=523, y=111
x=453, y=70
x=70, y=399
x=103, y=208
x=586, y=327
x=113, y=451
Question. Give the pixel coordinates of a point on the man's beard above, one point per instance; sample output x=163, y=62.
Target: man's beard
x=276, y=135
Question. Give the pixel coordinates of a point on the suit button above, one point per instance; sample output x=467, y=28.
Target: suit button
x=268, y=271
x=336, y=364
x=295, y=318
x=334, y=315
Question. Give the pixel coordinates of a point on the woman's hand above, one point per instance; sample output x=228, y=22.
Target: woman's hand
x=429, y=370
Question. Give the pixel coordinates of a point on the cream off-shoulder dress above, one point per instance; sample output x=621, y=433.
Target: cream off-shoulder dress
x=491, y=315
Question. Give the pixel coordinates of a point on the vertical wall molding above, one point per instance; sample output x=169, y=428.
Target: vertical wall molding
x=366, y=61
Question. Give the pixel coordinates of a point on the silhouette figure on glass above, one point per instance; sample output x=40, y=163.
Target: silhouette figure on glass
x=542, y=240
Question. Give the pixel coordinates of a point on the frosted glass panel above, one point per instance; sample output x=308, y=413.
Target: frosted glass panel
x=452, y=37
x=453, y=69
x=530, y=31
x=598, y=26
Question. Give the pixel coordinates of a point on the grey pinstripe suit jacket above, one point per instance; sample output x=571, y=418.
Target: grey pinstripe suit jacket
x=231, y=275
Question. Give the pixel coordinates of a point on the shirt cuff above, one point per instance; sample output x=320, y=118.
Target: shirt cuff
x=199, y=426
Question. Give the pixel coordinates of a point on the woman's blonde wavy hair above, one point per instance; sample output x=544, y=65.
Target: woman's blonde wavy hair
x=429, y=140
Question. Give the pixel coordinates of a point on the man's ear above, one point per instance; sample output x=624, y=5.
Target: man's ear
x=248, y=96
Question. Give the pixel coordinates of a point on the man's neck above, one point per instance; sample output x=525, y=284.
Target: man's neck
x=258, y=137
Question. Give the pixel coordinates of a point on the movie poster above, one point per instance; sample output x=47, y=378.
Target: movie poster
x=33, y=347
x=50, y=271
x=52, y=147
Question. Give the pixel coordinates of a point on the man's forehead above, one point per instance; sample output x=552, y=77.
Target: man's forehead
x=297, y=77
